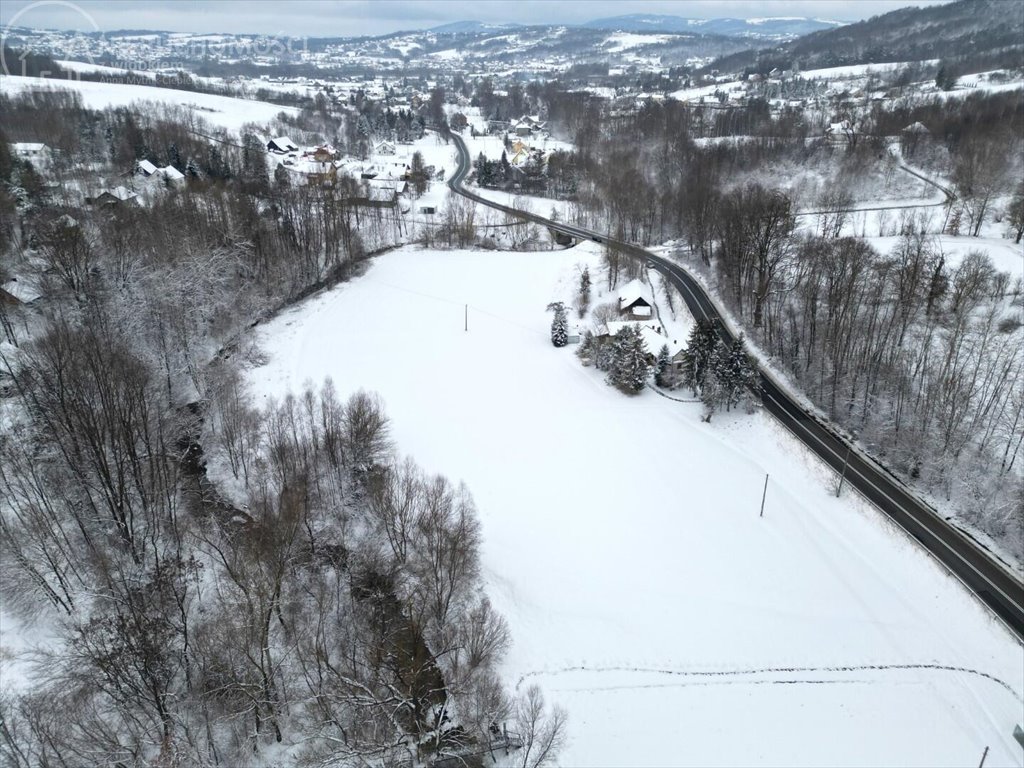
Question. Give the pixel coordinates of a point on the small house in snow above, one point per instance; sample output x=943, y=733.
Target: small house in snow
x=653, y=334
x=115, y=196
x=634, y=300
x=282, y=145
x=38, y=154
x=171, y=175
x=145, y=168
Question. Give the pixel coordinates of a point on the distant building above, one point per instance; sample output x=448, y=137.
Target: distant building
x=115, y=196
x=38, y=154
x=282, y=145
x=634, y=301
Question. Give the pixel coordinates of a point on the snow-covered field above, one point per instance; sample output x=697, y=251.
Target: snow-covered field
x=223, y=111
x=858, y=70
x=626, y=41
x=623, y=543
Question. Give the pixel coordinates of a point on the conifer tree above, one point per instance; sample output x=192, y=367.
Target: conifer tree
x=735, y=373
x=604, y=355
x=662, y=365
x=587, y=347
x=700, y=346
x=629, y=369
x=559, y=326
x=712, y=392
x=583, y=299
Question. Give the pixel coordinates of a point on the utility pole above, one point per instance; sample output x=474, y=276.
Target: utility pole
x=842, y=477
x=764, y=494
x=983, y=756
x=466, y=328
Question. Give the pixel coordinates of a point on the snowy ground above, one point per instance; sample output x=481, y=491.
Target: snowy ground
x=222, y=111
x=623, y=543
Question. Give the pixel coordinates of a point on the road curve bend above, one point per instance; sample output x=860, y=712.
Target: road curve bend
x=992, y=583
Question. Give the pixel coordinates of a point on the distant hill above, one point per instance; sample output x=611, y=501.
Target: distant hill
x=462, y=27
x=978, y=33
x=781, y=28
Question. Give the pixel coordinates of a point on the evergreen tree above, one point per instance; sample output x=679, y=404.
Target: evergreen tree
x=559, y=326
x=661, y=366
x=583, y=300
x=506, y=169
x=174, y=156
x=735, y=373
x=483, y=171
x=629, y=369
x=700, y=346
x=281, y=179
x=604, y=354
x=587, y=348
x=419, y=173
x=945, y=78
x=712, y=392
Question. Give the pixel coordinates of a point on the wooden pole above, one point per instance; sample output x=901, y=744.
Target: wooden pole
x=983, y=756
x=764, y=494
x=467, y=318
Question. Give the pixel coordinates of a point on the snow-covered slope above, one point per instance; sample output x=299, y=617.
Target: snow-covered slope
x=775, y=28
x=222, y=111
x=623, y=542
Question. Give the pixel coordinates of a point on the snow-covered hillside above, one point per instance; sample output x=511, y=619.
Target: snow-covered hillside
x=623, y=541
x=222, y=111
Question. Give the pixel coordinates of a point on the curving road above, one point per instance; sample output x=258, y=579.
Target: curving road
x=964, y=557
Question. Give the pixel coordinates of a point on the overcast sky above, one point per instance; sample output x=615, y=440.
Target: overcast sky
x=335, y=18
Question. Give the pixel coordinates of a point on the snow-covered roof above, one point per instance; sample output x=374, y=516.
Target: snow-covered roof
x=23, y=291
x=121, y=193
x=147, y=167
x=283, y=144
x=917, y=127
x=309, y=166
x=631, y=292
x=652, y=334
x=171, y=173
x=27, y=147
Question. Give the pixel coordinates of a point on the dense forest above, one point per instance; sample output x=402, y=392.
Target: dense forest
x=919, y=359
x=225, y=585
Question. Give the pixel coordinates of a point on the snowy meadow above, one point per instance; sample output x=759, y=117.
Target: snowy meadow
x=623, y=543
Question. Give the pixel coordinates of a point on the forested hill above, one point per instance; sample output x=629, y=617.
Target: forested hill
x=976, y=33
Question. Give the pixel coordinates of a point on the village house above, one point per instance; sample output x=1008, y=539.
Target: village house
x=842, y=133
x=653, y=334
x=38, y=154
x=317, y=173
x=116, y=196
x=912, y=138
x=16, y=292
x=282, y=145
x=634, y=301
x=168, y=173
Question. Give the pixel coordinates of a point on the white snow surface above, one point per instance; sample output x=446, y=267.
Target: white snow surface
x=224, y=111
x=625, y=41
x=623, y=542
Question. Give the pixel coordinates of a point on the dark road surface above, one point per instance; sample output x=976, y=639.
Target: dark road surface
x=993, y=584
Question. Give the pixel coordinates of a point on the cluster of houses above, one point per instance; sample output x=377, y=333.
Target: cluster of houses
x=383, y=182
x=636, y=309
x=147, y=175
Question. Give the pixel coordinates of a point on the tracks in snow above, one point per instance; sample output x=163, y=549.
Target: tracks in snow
x=766, y=675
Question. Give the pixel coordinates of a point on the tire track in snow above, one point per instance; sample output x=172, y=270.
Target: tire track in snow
x=736, y=673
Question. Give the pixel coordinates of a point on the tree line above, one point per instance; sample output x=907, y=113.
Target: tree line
x=223, y=581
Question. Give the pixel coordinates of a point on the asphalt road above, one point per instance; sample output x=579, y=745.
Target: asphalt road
x=964, y=557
